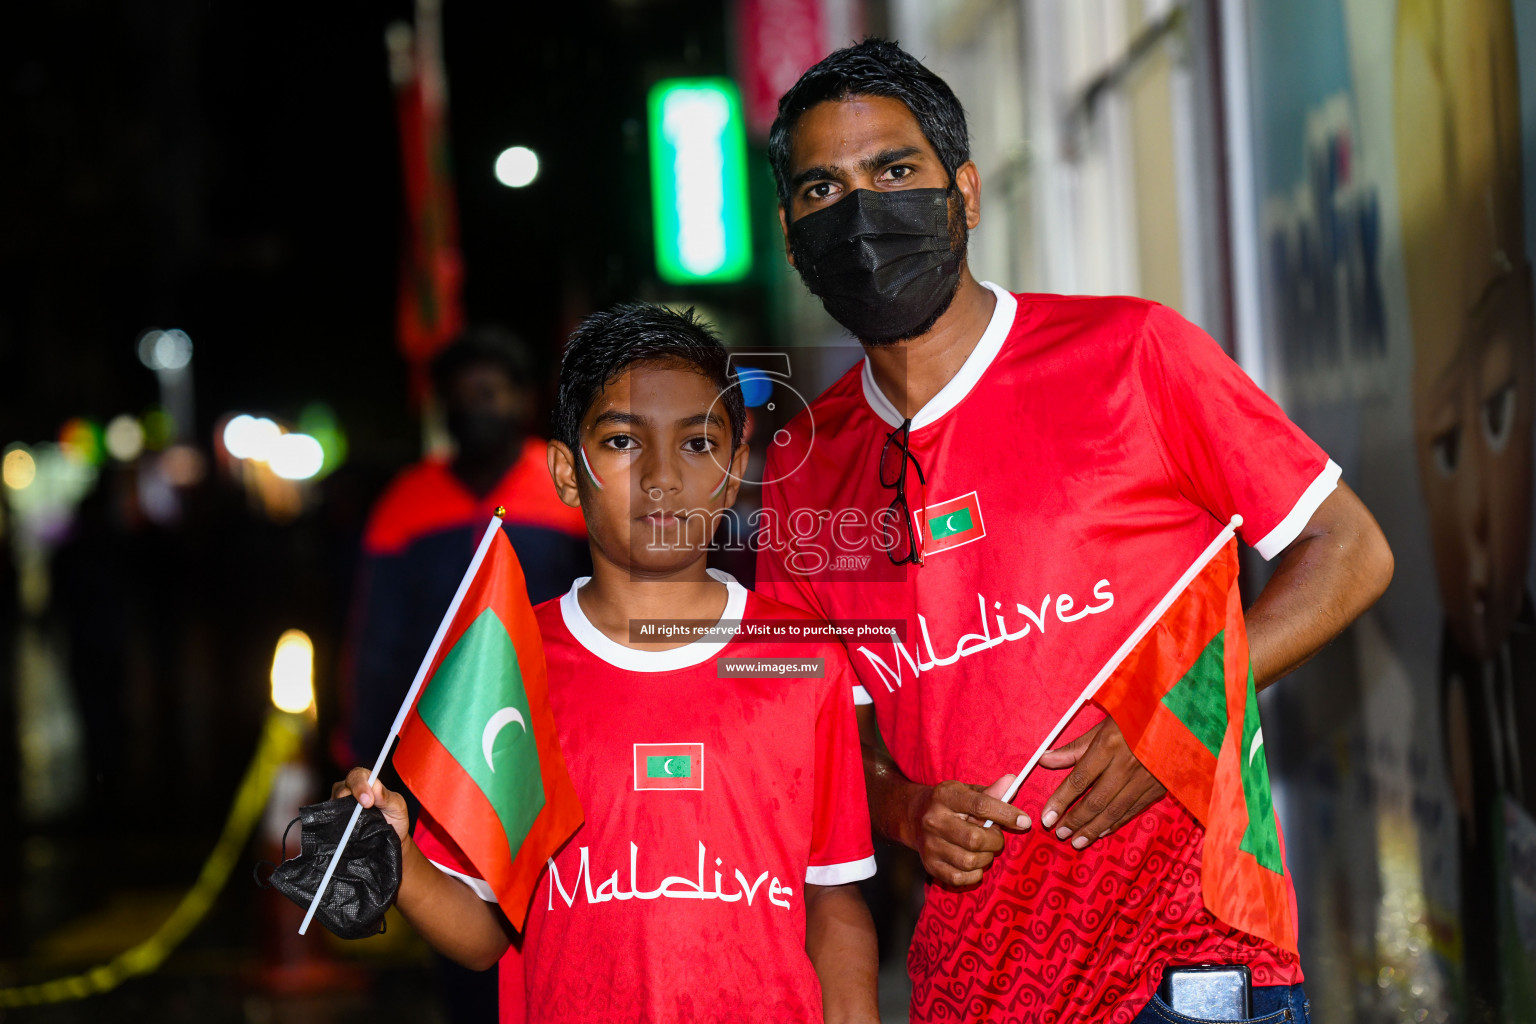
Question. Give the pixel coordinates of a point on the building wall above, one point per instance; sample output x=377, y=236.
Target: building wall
x=1085, y=123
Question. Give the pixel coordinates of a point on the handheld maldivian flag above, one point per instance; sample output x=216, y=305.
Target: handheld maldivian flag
x=477, y=740
x=479, y=749
x=1181, y=690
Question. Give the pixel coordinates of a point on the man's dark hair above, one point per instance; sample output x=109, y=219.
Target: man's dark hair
x=606, y=344
x=874, y=67
x=479, y=346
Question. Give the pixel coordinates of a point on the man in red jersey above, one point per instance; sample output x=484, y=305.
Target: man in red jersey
x=1032, y=473
x=725, y=817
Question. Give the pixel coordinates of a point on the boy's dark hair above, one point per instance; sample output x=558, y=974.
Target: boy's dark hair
x=481, y=345
x=874, y=67
x=606, y=344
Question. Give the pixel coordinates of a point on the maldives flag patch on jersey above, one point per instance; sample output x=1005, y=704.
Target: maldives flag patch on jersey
x=479, y=747
x=950, y=524
x=669, y=766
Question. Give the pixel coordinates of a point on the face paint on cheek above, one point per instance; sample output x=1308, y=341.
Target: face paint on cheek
x=721, y=485
x=587, y=464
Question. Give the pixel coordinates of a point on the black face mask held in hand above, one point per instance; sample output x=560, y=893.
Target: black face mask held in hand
x=366, y=880
x=882, y=263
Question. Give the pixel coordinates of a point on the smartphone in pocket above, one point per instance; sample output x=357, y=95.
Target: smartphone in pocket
x=1208, y=991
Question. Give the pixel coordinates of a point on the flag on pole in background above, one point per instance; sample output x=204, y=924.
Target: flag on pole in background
x=1184, y=698
x=479, y=747
x=777, y=40
x=430, y=307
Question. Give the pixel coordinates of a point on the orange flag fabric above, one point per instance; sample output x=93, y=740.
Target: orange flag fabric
x=1185, y=700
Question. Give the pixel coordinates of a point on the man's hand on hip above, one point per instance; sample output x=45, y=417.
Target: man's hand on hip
x=1107, y=788
x=947, y=829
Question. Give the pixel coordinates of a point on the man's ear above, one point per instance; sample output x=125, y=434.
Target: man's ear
x=968, y=181
x=784, y=227
x=738, y=470
x=562, y=470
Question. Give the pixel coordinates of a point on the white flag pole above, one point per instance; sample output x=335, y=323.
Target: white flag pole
x=410, y=699
x=1124, y=651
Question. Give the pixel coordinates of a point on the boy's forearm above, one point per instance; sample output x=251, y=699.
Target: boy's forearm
x=447, y=913
x=891, y=794
x=891, y=798
x=840, y=940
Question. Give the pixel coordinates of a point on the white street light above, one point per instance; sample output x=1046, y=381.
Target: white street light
x=251, y=437
x=165, y=350
x=296, y=457
x=517, y=167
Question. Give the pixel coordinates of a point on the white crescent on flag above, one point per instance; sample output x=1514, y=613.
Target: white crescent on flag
x=499, y=721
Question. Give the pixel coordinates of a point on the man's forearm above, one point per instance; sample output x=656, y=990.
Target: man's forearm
x=445, y=912
x=1328, y=576
x=840, y=941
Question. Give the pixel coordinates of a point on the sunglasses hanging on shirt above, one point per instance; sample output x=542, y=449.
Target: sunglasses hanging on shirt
x=907, y=544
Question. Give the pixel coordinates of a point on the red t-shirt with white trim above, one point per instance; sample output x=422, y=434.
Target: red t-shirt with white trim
x=1085, y=453
x=709, y=803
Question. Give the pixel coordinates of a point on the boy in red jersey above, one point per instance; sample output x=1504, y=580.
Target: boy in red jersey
x=725, y=817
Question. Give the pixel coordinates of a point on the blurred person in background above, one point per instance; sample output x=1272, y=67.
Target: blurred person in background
x=1030, y=445
x=102, y=577
x=422, y=533
x=1474, y=387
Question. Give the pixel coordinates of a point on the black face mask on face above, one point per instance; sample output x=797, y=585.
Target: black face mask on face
x=884, y=264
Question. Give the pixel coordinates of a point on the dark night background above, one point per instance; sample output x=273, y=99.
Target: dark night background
x=232, y=170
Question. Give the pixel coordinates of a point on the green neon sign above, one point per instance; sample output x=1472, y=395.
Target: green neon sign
x=699, y=181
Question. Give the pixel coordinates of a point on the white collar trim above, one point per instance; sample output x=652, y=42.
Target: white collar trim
x=598, y=643
x=961, y=383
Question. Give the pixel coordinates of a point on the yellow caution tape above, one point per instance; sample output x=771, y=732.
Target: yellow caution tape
x=279, y=742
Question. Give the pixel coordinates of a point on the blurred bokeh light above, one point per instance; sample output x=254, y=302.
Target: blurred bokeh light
x=517, y=167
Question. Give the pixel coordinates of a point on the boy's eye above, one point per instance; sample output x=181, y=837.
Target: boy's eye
x=898, y=172
x=820, y=190
x=621, y=442
x=699, y=445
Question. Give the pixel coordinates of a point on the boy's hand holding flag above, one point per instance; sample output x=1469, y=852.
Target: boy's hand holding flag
x=478, y=745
